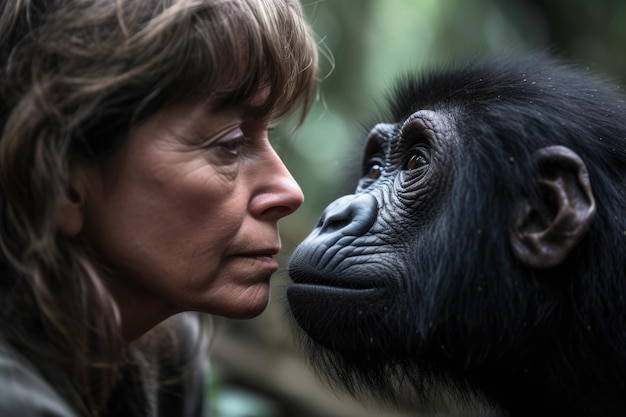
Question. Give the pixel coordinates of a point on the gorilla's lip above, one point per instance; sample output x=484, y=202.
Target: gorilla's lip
x=326, y=283
x=327, y=279
x=327, y=286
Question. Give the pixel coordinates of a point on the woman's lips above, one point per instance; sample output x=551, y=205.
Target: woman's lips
x=264, y=256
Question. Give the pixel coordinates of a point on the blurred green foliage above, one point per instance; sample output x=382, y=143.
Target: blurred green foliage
x=367, y=43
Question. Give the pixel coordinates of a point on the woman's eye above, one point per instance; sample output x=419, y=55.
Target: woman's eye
x=418, y=160
x=232, y=147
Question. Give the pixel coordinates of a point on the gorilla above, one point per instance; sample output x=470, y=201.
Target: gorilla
x=483, y=252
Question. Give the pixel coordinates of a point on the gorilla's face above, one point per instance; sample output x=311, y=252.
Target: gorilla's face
x=352, y=270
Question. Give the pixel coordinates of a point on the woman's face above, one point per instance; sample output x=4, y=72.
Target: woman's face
x=185, y=213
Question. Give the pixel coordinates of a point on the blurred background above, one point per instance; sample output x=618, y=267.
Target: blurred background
x=258, y=370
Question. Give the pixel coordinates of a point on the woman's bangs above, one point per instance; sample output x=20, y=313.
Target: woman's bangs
x=259, y=52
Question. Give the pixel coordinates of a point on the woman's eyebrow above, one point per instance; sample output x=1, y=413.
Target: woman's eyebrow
x=261, y=111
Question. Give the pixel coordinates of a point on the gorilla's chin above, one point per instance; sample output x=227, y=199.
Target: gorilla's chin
x=356, y=306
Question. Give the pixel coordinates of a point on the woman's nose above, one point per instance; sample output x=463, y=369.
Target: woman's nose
x=280, y=194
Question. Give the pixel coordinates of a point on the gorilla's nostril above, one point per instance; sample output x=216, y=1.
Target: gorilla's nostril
x=338, y=223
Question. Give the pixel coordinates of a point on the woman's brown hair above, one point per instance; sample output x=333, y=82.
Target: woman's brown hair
x=74, y=77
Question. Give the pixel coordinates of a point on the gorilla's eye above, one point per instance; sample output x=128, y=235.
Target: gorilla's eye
x=373, y=167
x=420, y=158
x=416, y=162
x=374, y=170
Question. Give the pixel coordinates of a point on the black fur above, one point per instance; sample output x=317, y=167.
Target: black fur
x=454, y=313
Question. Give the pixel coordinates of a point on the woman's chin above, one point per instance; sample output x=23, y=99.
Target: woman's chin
x=251, y=303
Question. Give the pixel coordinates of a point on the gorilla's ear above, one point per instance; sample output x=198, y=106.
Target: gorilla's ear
x=72, y=208
x=546, y=231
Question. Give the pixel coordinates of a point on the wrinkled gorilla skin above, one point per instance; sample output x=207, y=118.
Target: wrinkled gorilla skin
x=483, y=251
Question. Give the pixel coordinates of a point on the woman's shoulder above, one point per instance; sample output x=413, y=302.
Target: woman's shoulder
x=23, y=390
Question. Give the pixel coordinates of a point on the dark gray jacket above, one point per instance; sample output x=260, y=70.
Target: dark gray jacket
x=150, y=385
x=25, y=393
